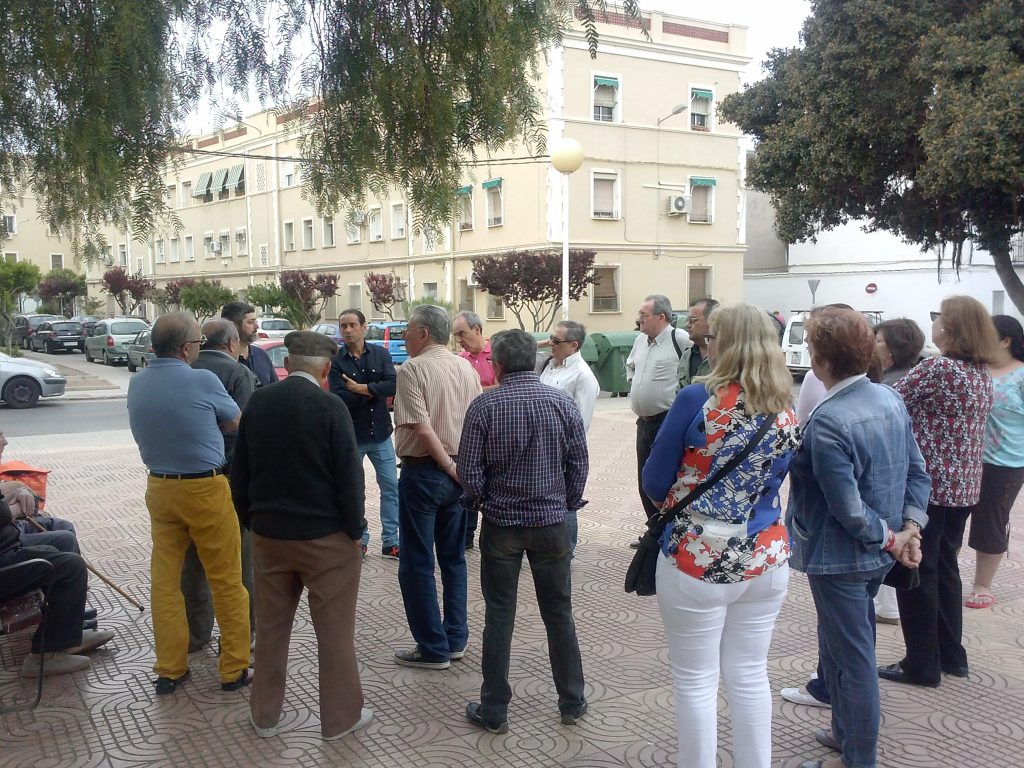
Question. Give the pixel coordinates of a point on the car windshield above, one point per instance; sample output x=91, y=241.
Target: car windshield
x=796, y=333
x=67, y=327
x=127, y=329
x=35, y=322
x=276, y=325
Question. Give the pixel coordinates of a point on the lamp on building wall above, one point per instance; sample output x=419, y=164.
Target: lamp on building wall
x=239, y=121
x=675, y=111
x=566, y=158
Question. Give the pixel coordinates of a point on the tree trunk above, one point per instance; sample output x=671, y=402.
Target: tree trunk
x=1009, y=278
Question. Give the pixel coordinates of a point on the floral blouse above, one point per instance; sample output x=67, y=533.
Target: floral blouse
x=949, y=401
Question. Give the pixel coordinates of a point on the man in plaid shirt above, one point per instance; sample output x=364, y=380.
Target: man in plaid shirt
x=523, y=463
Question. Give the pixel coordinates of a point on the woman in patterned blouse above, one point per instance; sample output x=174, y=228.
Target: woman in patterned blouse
x=724, y=573
x=949, y=399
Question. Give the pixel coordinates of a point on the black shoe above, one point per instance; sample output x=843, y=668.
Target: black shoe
x=88, y=613
x=957, y=671
x=474, y=716
x=166, y=685
x=896, y=674
x=93, y=623
x=635, y=544
x=243, y=680
x=826, y=739
x=571, y=718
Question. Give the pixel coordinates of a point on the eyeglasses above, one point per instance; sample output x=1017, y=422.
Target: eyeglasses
x=708, y=338
x=935, y=315
x=555, y=340
x=691, y=321
x=200, y=340
x=643, y=315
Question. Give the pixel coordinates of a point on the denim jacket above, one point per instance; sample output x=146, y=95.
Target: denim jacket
x=858, y=474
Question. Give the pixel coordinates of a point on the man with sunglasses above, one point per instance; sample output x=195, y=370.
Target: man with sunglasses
x=694, y=361
x=177, y=415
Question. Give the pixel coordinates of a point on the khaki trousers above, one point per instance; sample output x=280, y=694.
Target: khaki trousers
x=200, y=511
x=329, y=568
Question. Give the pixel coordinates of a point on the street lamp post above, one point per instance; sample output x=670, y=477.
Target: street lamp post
x=566, y=158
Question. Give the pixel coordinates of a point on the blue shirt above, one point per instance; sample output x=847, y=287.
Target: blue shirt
x=1004, y=430
x=370, y=416
x=523, y=454
x=173, y=412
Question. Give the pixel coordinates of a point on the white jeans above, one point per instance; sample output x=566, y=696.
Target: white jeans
x=727, y=627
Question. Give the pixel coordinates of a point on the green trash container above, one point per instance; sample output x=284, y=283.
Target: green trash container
x=610, y=368
x=588, y=352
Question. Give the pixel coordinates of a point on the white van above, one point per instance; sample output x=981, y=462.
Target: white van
x=798, y=359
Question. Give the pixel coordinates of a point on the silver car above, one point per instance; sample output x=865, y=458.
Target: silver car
x=107, y=340
x=23, y=382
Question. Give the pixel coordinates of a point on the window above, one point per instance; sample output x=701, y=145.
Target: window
x=190, y=249
x=241, y=242
x=430, y=290
x=10, y=224
x=50, y=231
x=208, y=251
x=495, y=203
x=122, y=254
x=108, y=255
x=56, y=261
x=495, y=307
x=604, y=194
x=175, y=251
x=606, y=99
x=698, y=283
x=289, y=177
x=351, y=232
x=202, y=187
x=397, y=221
x=224, y=244
x=158, y=252
x=169, y=195
x=289, y=236
x=307, y=234
x=465, y=208
x=236, y=179
x=701, y=100
x=376, y=225
x=355, y=296
x=328, y=236
x=261, y=177
x=604, y=293
x=186, y=194
x=702, y=200
x=467, y=296
x=219, y=185
x=10, y=258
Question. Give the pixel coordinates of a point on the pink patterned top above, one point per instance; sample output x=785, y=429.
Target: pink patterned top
x=949, y=401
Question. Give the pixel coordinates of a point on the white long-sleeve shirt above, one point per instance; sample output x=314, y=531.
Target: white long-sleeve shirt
x=575, y=378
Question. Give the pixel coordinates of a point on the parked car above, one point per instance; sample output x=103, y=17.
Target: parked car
x=391, y=336
x=794, y=347
x=329, y=329
x=26, y=325
x=140, y=350
x=278, y=352
x=107, y=339
x=56, y=336
x=23, y=381
x=87, y=321
x=273, y=328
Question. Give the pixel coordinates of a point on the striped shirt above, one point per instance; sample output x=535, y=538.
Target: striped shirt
x=434, y=388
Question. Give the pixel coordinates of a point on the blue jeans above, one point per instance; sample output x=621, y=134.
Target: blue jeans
x=572, y=527
x=430, y=516
x=846, y=649
x=382, y=456
x=501, y=558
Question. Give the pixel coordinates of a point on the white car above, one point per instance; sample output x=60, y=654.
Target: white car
x=273, y=328
x=23, y=381
x=798, y=358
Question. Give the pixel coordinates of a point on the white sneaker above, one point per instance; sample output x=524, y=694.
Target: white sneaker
x=366, y=716
x=801, y=696
x=92, y=639
x=263, y=733
x=59, y=663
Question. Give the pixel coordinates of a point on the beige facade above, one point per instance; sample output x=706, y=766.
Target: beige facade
x=29, y=239
x=639, y=159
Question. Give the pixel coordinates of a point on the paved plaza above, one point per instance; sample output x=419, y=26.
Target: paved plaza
x=109, y=717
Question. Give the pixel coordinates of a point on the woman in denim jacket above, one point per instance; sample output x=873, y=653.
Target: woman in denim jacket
x=858, y=490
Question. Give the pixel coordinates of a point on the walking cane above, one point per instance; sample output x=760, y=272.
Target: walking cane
x=92, y=569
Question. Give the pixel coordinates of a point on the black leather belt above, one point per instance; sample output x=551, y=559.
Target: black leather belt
x=189, y=475
x=423, y=461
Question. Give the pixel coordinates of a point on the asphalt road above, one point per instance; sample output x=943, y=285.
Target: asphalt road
x=61, y=417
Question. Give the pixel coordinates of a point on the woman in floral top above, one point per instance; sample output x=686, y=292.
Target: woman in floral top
x=949, y=399
x=724, y=573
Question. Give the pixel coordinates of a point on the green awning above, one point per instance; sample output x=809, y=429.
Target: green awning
x=236, y=175
x=203, y=185
x=701, y=181
x=467, y=190
x=219, y=177
x=611, y=82
x=700, y=93
x=492, y=183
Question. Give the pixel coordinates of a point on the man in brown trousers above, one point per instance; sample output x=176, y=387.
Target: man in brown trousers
x=297, y=483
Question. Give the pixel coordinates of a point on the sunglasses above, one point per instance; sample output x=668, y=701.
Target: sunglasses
x=554, y=340
x=935, y=315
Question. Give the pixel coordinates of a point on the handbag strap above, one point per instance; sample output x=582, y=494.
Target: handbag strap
x=728, y=467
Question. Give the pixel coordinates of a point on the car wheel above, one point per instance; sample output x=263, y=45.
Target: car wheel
x=21, y=392
x=106, y=358
x=86, y=352
x=131, y=366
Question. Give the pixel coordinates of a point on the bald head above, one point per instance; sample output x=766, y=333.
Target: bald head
x=220, y=334
x=173, y=335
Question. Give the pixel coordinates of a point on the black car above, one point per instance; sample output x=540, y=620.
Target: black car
x=25, y=326
x=88, y=323
x=56, y=336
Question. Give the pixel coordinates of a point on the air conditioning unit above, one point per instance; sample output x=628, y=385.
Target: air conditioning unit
x=471, y=280
x=678, y=205
x=359, y=218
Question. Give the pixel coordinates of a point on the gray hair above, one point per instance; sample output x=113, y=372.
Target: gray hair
x=435, y=320
x=219, y=333
x=660, y=305
x=472, y=319
x=514, y=350
x=311, y=364
x=171, y=332
x=574, y=331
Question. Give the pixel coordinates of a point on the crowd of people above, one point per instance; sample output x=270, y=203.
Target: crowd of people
x=255, y=492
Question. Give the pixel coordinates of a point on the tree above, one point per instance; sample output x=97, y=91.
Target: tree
x=308, y=295
x=384, y=291
x=530, y=282
x=267, y=295
x=128, y=290
x=400, y=93
x=927, y=144
x=173, y=290
x=16, y=278
x=204, y=298
x=62, y=286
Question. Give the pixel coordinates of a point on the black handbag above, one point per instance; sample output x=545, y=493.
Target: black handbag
x=640, y=574
x=901, y=577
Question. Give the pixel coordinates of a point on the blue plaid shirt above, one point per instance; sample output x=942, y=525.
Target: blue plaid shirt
x=523, y=455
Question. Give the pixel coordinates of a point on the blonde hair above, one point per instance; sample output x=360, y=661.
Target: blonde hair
x=748, y=353
x=969, y=333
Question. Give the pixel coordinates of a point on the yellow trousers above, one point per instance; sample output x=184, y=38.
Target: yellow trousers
x=182, y=511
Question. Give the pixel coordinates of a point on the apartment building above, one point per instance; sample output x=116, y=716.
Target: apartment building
x=658, y=197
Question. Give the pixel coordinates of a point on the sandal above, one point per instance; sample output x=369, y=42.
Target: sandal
x=980, y=600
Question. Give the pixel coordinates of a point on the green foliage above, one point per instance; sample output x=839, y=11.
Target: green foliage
x=267, y=295
x=203, y=298
x=128, y=290
x=16, y=278
x=384, y=290
x=530, y=282
x=409, y=306
x=905, y=114
x=307, y=295
x=60, y=288
x=93, y=306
